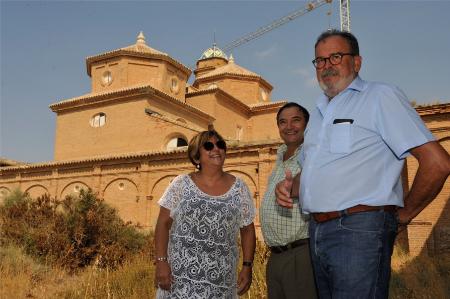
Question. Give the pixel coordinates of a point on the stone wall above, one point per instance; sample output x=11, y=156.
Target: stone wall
x=134, y=183
x=429, y=232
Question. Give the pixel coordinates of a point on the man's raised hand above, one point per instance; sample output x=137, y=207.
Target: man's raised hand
x=283, y=191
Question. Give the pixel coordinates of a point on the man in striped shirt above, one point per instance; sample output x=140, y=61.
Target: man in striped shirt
x=289, y=270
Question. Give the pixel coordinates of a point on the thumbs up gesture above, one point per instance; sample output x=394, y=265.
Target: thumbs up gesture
x=284, y=189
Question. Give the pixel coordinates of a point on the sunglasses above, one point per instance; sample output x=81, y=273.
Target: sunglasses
x=208, y=145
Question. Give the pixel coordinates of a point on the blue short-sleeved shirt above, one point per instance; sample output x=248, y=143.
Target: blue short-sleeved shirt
x=355, y=145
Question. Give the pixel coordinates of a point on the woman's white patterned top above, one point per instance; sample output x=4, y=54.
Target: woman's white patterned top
x=203, y=250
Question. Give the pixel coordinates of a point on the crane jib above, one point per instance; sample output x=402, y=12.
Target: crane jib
x=344, y=16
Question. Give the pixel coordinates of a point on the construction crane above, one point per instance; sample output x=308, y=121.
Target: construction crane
x=344, y=14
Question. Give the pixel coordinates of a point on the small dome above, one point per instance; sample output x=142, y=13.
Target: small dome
x=230, y=68
x=212, y=52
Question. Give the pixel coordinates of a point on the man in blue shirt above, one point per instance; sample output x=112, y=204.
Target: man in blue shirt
x=352, y=157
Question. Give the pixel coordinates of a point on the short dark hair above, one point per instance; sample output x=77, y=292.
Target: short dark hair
x=197, y=142
x=298, y=106
x=350, y=38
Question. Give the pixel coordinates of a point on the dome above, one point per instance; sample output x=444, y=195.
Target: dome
x=231, y=68
x=212, y=52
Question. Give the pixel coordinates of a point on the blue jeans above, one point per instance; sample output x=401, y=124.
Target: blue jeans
x=351, y=255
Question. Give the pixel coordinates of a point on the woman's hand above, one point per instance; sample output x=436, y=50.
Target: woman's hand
x=244, y=280
x=248, y=243
x=163, y=275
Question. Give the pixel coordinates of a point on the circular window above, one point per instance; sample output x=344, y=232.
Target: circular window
x=107, y=78
x=98, y=120
x=121, y=186
x=76, y=188
x=174, y=86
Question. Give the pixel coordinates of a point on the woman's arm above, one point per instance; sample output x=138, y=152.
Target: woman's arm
x=248, y=241
x=163, y=274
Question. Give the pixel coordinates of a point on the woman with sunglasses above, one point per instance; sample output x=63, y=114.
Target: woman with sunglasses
x=196, y=235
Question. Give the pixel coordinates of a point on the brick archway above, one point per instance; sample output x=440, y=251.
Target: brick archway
x=157, y=191
x=73, y=188
x=4, y=192
x=36, y=191
x=123, y=195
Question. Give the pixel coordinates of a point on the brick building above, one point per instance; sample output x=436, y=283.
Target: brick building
x=127, y=138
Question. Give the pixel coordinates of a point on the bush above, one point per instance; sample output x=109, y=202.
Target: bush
x=73, y=233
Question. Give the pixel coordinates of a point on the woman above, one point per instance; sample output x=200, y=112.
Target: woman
x=196, y=232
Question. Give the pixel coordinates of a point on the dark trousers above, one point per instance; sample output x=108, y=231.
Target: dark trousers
x=352, y=255
x=290, y=275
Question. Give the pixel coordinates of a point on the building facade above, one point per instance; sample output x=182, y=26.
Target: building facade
x=127, y=138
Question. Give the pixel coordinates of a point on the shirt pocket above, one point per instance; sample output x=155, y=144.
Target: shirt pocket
x=340, y=138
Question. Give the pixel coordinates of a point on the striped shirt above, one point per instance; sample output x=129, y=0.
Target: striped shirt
x=280, y=225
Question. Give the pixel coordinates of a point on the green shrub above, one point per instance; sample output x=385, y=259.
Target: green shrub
x=73, y=233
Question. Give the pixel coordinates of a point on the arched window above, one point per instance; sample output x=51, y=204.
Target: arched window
x=98, y=120
x=174, y=86
x=176, y=143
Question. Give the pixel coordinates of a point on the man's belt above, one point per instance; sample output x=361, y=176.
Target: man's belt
x=326, y=216
x=280, y=249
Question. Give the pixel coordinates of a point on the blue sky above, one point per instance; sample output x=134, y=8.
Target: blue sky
x=44, y=46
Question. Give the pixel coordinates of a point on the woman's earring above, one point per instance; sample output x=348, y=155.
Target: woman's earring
x=197, y=166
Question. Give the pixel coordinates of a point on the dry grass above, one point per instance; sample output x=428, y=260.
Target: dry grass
x=23, y=277
x=420, y=277
x=133, y=280
x=258, y=288
x=106, y=259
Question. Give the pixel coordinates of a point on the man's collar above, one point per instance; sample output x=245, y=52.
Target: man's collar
x=283, y=148
x=357, y=84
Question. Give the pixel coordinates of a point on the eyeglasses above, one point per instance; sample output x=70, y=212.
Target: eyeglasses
x=335, y=59
x=208, y=145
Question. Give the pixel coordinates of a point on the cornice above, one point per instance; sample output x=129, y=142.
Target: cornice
x=123, y=94
x=249, y=109
x=201, y=91
x=433, y=109
x=219, y=92
x=229, y=75
x=191, y=87
x=101, y=158
x=8, y=162
x=233, y=147
x=178, y=123
x=128, y=53
x=267, y=106
x=445, y=129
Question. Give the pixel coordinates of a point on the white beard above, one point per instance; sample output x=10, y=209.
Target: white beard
x=336, y=88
